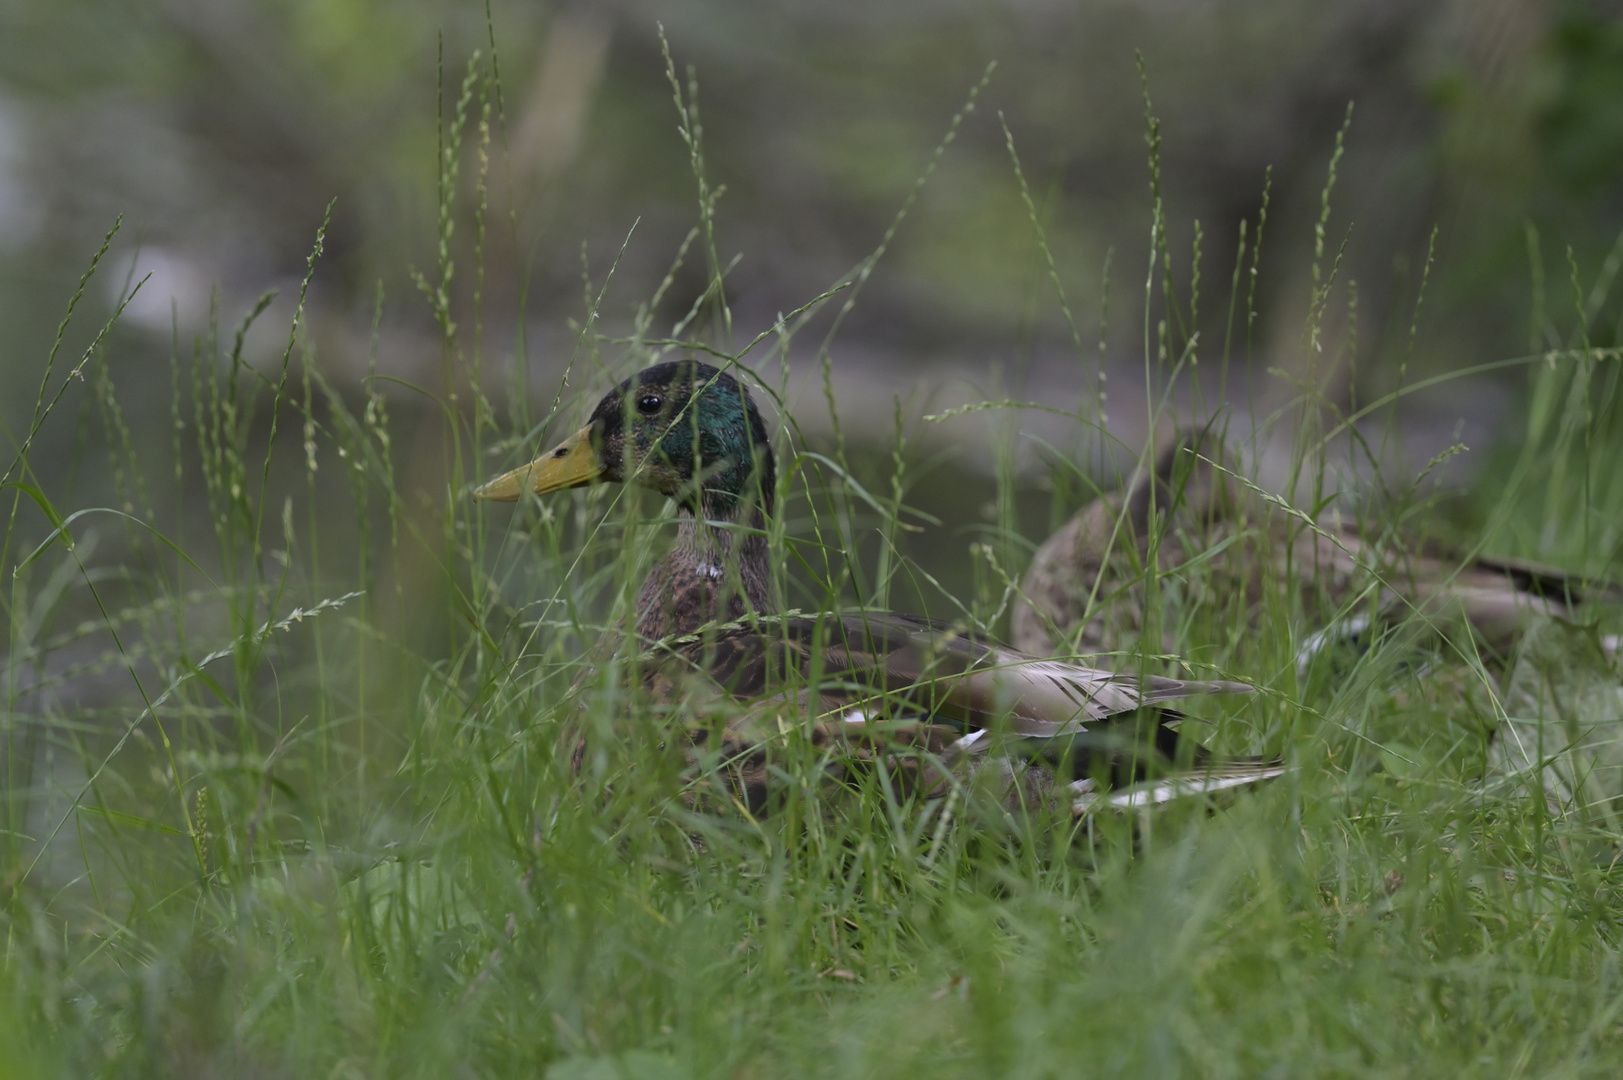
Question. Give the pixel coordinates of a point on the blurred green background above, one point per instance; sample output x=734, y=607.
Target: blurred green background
x=221, y=130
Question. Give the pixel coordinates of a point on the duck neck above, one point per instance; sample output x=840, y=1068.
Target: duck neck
x=715, y=572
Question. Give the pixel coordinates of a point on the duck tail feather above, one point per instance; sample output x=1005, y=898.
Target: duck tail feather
x=1218, y=777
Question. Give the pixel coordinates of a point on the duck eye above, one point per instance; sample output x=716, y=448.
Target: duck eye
x=648, y=404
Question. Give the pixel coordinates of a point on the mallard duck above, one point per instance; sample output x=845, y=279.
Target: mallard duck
x=1086, y=584
x=877, y=680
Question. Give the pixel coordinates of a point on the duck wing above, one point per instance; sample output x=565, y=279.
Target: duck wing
x=1497, y=597
x=916, y=697
x=872, y=665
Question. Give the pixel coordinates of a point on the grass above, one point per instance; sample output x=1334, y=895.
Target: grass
x=290, y=793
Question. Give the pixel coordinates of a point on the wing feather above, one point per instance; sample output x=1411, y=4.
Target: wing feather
x=931, y=667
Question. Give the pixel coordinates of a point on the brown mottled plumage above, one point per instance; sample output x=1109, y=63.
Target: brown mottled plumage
x=1086, y=586
x=873, y=684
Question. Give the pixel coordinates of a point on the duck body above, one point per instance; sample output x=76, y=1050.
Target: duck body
x=867, y=683
x=1086, y=585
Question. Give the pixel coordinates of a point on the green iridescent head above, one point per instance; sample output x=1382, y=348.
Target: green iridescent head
x=684, y=428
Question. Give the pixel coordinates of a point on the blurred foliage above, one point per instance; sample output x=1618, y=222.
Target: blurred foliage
x=222, y=129
x=1581, y=125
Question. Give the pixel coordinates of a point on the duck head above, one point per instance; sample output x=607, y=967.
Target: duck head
x=683, y=428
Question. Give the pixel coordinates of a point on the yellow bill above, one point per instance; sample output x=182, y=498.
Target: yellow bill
x=572, y=464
